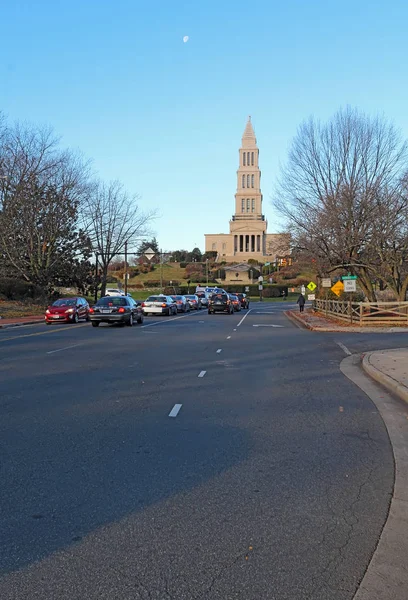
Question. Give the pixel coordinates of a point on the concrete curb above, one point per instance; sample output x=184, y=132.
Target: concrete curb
x=339, y=329
x=388, y=382
x=386, y=577
x=7, y=325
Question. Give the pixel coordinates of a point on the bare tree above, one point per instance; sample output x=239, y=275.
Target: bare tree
x=112, y=217
x=342, y=193
x=41, y=189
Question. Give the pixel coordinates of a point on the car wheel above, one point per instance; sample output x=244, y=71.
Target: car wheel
x=95, y=323
x=140, y=320
x=130, y=321
x=76, y=318
x=47, y=323
x=87, y=318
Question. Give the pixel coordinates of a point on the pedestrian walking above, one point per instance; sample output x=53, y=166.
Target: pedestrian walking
x=301, y=301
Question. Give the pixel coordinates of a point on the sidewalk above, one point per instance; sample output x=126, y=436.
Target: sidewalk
x=16, y=321
x=390, y=368
x=317, y=322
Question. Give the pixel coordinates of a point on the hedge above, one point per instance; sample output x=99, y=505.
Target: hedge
x=18, y=289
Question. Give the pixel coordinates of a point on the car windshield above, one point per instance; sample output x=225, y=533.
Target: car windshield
x=191, y=297
x=65, y=302
x=156, y=299
x=114, y=301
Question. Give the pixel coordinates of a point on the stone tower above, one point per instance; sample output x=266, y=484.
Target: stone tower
x=248, y=224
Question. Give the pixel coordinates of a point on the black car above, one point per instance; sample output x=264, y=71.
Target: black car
x=244, y=300
x=116, y=309
x=220, y=303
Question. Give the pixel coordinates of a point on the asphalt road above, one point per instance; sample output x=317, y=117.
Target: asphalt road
x=271, y=482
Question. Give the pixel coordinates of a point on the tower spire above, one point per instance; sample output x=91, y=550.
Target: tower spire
x=248, y=137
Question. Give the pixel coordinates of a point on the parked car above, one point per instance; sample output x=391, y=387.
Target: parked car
x=194, y=301
x=67, y=310
x=159, y=305
x=235, y=302
x=220, y=303
x=116, y=309
x=244, y=300
x=203, y=296
x=114, y=292
x=181, y=303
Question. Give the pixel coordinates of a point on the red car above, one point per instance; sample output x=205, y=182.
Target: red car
x=67, y=310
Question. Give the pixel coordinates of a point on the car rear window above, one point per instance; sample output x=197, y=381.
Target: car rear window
x=200, y=294
x=156, y=299
x=192, y=297
x=219, y=296
x=113, y=301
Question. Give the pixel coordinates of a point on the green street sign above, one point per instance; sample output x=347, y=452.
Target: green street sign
x=348, y=277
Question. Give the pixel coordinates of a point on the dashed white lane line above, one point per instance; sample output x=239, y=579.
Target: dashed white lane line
x=234, y=329
x=61, y=349
x=229, y=337
x=243, y=318
x=175, y=410
x=219, y=350
x=202, y=373
x=344, y=348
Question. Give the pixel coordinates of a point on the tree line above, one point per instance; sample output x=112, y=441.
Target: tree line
x=344, y=195
x=55, y=214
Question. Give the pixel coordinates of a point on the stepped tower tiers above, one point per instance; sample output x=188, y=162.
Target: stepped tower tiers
x=248, y=237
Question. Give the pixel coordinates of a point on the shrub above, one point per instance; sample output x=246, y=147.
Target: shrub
x=183, y=265
x=18, y=289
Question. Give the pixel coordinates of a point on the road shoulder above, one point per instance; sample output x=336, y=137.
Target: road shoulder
x=386, y=577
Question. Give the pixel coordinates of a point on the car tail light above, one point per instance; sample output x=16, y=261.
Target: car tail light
x=228, y=301
x=121, y=310
x=164, y=305
x=143, y=304
x=91, y=310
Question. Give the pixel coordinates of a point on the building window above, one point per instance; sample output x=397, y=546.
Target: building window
x=253, y=204
x=214, y=246
x=243, y=158
x=252, y=158
x=243, y=205
x=243, y=181
x=248, y=181
x=248, y=205
x=224, y=247
x=252, y=180
x=248, y=158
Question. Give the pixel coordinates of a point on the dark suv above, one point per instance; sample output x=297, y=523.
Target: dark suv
x=220, y=303
x=244, y=300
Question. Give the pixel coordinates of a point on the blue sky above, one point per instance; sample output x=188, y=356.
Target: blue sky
x=115, y=80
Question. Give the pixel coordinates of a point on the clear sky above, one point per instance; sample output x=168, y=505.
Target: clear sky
x=116, y=80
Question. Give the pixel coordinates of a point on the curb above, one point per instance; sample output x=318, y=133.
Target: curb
x=7, y=325
x=388, y=382
x=292, y=317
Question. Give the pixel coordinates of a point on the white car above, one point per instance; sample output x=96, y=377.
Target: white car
x=114, y=292
x=159, y=305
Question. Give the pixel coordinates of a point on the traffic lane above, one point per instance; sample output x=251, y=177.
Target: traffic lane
x=54, y=424
x=358, y=343
x=322, y=440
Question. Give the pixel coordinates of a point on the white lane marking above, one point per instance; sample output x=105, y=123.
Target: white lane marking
x=268, y=325
x=61, y=349
x=344, y=348
x=167, y=321
x=269, y=312
x=202, y=373
x=243, y=318
x=175, y=410
x=229, y=337
x=219, y=350
x=201, y=321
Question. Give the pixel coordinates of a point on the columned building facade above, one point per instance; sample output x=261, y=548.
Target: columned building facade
x=248, y=237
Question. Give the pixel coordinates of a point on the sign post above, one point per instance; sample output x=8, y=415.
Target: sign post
x=260, y=287
x=326, y=283
x=349, y=282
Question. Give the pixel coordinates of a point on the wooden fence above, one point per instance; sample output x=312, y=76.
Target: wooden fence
x=365, y=313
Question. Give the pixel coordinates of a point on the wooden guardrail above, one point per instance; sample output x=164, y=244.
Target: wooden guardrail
x=364, y=313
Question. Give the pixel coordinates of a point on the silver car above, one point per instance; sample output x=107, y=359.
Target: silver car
x=159, y=305
x=203, y=297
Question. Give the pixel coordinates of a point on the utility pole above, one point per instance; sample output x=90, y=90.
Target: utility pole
x=206, y=265
x=96, y=277
x=161, y=271
x=126, y=271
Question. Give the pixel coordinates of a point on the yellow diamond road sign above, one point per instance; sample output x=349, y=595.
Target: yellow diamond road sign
x=312, y=286
x=337, y=288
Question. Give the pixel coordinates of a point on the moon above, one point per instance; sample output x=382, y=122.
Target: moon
x=185, y=39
